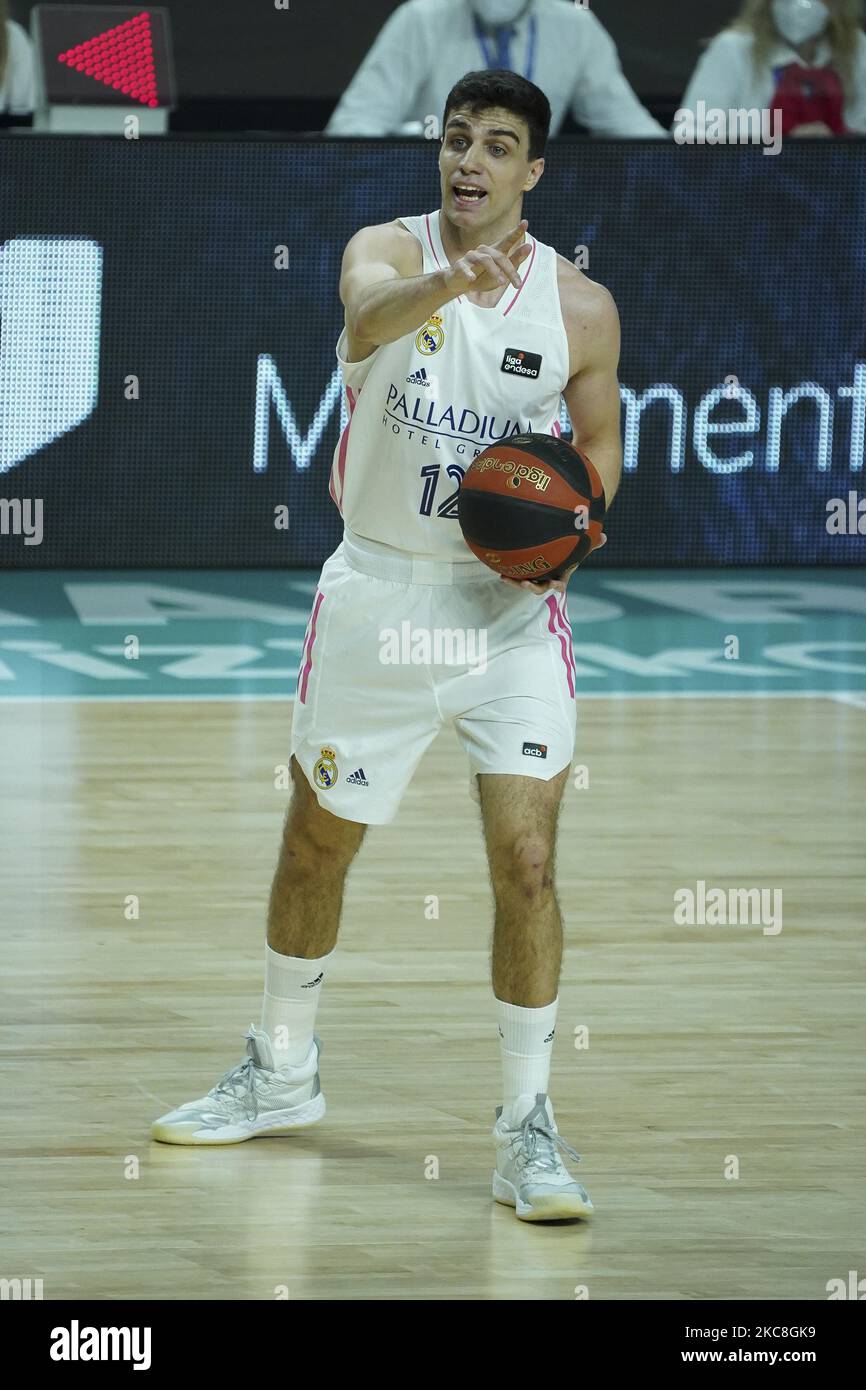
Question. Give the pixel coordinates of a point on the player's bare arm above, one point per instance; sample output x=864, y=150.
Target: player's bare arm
x=384, y=295
x=592, y=394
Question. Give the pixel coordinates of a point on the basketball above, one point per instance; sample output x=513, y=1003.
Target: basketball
x=531, y=506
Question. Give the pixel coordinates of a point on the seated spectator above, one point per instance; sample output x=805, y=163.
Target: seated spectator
x=17, y=93
x=427, y=45
x=803, y=58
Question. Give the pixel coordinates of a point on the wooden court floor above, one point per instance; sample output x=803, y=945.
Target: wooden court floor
x=712, y=1049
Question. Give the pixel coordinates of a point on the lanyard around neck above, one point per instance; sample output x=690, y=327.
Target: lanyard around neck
x=490, y=59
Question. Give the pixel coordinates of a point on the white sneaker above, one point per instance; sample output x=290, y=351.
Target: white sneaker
x=252, y=1099
x=530, y=1175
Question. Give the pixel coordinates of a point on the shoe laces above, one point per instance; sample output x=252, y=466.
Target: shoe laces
x=239, y=1083
x=539, y=1144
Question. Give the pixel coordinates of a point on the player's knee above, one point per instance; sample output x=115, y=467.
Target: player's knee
x=313, y=837
x=315, y=848
x=525, y=865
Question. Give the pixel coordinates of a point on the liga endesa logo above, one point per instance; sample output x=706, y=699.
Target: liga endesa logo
x=50, y=304
x=77, y=1343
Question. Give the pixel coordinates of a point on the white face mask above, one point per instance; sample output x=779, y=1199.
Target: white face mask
x=800, y=20
x=496, y=12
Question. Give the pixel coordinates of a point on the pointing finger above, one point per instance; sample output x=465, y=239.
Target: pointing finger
x=512, y=237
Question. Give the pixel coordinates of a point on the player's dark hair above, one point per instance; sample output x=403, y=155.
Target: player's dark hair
x=499, y=87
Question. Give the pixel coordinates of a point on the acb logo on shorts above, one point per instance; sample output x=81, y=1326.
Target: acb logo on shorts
x=325, y=770
x=430, y=338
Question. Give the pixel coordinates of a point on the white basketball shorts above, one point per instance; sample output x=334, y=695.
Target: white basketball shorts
x=396, y=647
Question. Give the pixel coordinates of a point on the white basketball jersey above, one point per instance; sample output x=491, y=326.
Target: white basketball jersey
x=422, y=408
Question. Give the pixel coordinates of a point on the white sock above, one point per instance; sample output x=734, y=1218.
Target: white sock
x=525, y=1043
x=292, y=988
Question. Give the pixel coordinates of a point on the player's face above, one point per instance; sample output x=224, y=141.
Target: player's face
x=486, y=152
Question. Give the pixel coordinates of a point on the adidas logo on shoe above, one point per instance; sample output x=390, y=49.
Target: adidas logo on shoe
x=358, y=778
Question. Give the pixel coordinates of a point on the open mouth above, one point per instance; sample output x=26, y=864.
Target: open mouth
x=465, y=196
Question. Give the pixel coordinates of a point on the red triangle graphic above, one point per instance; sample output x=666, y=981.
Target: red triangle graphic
x=121, y=58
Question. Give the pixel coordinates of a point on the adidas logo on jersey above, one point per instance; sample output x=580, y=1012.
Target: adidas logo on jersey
x=358, y=778
x=419, y=378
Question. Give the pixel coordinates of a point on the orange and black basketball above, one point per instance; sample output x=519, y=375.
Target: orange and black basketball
x=531, y=506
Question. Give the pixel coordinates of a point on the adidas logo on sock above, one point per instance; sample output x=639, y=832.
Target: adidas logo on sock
x=550, y=1035
x=358, y=778
x=419, y=378
x=311, y=983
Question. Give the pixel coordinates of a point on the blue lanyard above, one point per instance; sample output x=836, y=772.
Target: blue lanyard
x=489, y=59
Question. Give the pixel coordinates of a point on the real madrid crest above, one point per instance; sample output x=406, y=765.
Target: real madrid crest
x=325, y=770
x=430, y=338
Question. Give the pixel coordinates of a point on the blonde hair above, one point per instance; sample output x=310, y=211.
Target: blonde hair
x=4, y=40
x=843, y=28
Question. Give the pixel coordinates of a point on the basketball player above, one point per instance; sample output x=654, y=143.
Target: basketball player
x=432, y=303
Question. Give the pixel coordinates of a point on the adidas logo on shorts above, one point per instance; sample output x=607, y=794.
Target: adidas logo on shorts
x=358, y=778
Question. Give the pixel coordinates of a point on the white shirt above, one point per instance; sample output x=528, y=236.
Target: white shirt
x=424, y=406
x=725, y=76
x=428, y=45
x=17, y=89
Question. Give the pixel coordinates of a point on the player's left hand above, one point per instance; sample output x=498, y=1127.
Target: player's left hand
x=557, y=585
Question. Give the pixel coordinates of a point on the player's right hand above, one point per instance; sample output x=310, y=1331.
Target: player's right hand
x=541, y=586
x=486, y=268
